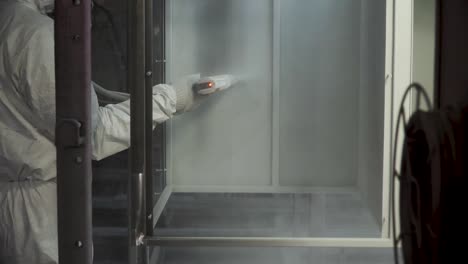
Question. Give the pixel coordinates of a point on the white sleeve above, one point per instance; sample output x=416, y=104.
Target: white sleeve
x=112, y=131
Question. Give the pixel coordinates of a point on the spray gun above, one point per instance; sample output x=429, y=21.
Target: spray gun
x=210, y=85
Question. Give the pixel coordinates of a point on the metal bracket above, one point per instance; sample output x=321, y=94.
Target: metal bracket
x=71, y=135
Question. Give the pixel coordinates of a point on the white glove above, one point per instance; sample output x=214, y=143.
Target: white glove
x=189, y=97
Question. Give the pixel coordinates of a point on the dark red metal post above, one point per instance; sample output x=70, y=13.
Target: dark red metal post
x=451, y=53
x=73, y=130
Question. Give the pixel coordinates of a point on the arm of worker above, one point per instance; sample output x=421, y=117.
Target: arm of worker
x=112, y=122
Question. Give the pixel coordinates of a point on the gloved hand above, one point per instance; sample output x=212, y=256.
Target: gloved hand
x=187, y=99
x=191, y=91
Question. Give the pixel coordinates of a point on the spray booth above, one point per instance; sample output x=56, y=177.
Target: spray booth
x=291, y=165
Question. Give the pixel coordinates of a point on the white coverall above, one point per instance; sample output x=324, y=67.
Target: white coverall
x=28, y=213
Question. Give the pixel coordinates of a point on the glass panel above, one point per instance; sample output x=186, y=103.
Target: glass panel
x=320, y=92
x=110, y=176
x=231, y=133
x=296, y=148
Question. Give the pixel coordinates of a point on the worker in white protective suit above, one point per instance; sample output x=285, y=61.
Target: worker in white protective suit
x=28, y=213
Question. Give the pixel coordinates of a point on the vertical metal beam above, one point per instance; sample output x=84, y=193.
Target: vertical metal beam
x=451, y=54
x=149, y=115
x=159, y=58
x=160, y=77
x=158, y=62
x=155, y=26
x=136, y=83
x=73, y=132
x=275, y=157
x=387, y=168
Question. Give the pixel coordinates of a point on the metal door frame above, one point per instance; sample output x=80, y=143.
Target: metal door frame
x=137, y=81
x=141, y=75
x=73, y=130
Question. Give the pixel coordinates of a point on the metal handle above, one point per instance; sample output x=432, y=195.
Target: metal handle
x=139, y=208
x=71, y=135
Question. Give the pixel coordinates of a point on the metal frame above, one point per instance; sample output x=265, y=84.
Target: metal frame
x=260, y=189
x=137, y=81
x=275, y=156
x=388, y=116
x=140, y=78
x=402, y=77
x=158, y=63
x=155, y=73
x=168, y=53
x=73, y=130
x=149, y=114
